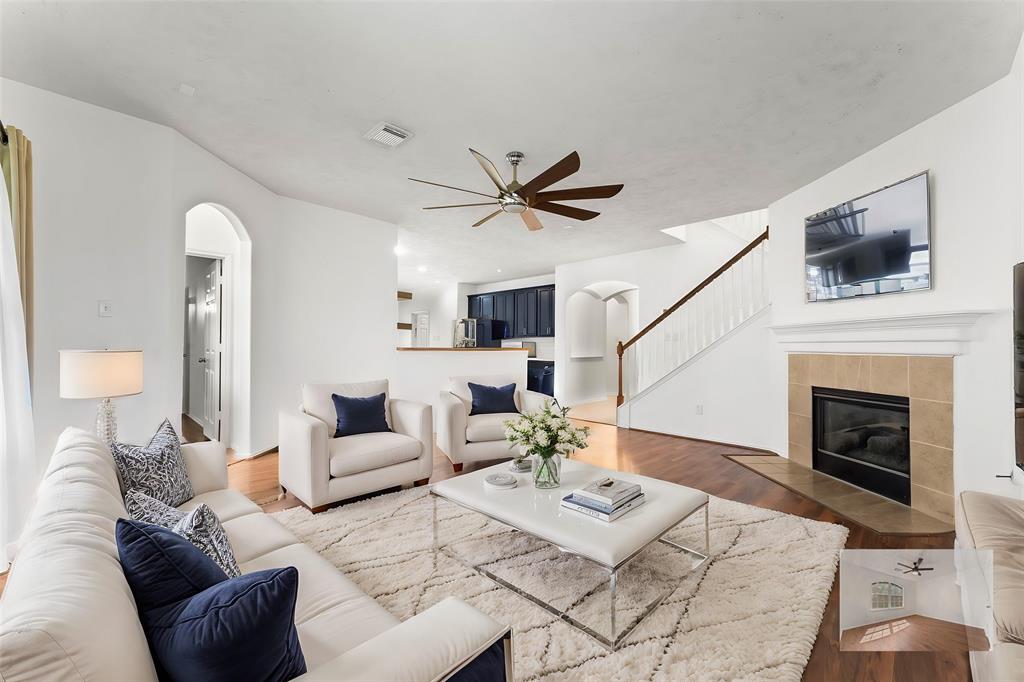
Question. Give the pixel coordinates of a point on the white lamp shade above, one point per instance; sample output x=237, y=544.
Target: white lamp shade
x=100, y=373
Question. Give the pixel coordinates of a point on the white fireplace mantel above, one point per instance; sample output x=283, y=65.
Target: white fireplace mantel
x=926, y=334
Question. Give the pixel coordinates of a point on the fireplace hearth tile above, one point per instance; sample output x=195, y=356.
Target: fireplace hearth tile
x=799, y=369
x=926, y=380
x=932, y=502
x=799, y=429
x=878, y=513
x=853, y=372
x=800, y=399
x=823, y=371
x=931, y=378
x=800, y=453
x=931, y=422
x=890, y=375
x=931, y=467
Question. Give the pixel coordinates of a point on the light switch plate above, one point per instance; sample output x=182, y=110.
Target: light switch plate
x=105, y=308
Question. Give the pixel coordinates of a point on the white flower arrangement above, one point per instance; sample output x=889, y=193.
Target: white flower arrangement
x=546, y=432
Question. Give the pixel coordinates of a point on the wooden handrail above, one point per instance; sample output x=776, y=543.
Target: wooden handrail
x=621, y=347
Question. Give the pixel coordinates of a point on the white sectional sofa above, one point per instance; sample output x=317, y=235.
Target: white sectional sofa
x=67, y=612
x=985, y=521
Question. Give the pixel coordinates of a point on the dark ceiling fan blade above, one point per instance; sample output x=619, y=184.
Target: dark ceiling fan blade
x=598, y=192
x=484, y=220
x=532, y=221
x=561, y=170
x=491, y=171
x=438, y=184
x=924, y=569
x=904, y=565
x=567, y=211
x=484, y=203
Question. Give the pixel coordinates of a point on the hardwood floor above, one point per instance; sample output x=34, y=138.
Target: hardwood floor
x=914, y=633
x=191, y=430
x=700, y=464
x=602, y=412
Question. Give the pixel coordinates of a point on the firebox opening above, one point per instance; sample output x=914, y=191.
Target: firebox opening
x=863, y=439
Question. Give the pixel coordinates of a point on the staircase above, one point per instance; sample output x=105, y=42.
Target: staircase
x=728, y=297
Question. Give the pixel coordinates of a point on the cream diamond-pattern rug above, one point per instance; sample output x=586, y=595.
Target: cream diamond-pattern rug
x=751, y=612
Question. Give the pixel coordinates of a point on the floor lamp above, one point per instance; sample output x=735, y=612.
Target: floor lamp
x=102, y=374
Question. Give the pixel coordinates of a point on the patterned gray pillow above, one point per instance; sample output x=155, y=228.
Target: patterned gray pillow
x=200, y=526
x=157, y=469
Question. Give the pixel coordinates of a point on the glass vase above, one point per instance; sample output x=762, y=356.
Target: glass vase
x=547, y=471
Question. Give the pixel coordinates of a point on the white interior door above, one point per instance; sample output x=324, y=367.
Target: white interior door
x=196, y=345
x=213, y=336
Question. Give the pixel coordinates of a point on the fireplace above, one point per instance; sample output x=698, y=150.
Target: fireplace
x=863, y=439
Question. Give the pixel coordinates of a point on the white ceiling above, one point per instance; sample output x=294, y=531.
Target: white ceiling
x=701, y=109
x=884, y=561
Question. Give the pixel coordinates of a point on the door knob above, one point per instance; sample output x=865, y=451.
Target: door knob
x=201, y=360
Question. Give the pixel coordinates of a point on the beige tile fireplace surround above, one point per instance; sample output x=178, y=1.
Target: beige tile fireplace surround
x=926, y=380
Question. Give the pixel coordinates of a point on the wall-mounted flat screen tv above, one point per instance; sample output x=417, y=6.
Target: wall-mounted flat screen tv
x=875, y=244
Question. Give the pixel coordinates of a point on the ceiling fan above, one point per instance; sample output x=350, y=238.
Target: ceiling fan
x=916, y=568
x=515, y=197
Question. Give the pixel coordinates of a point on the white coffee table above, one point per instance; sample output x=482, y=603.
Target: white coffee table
x=610, y=545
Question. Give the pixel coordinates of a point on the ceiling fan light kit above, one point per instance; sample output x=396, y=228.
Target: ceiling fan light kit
x=521, y=199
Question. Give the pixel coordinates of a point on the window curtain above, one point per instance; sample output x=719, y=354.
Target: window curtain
x=17, y=440
x=16, y=161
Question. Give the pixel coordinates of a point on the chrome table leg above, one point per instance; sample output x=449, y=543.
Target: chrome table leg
x=707, y=530
x=611, y=586
x=434, y=523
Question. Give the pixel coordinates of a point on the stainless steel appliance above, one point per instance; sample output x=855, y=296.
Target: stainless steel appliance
x=465, y=333
x=473, y=332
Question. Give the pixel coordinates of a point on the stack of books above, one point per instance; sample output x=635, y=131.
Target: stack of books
x=606, y=499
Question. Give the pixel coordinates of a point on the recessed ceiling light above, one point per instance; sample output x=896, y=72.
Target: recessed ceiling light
x=568, y=227
x=186, y=90
x=400, y=250
x=499, y=269
x=387, y=134
x=422, y=268
x=437, y=281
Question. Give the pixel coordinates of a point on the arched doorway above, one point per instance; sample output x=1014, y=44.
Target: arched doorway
x=598, y=316
x=218, y=327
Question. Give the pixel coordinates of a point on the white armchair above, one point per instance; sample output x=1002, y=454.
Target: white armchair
x=474, y=438
x=320, y=469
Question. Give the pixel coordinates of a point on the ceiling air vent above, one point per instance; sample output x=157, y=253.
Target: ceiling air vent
x=387, y=134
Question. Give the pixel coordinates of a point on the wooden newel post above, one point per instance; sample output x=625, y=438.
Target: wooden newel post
x=619, y=399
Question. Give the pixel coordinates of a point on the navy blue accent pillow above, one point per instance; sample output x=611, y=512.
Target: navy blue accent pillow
x=493, y=399
x=488, y=666
x=201, y=625
x=162, y=567
x=360, y=415
x=242, y=629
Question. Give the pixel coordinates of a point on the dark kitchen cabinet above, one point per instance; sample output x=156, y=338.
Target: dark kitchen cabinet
x=487, y=307
x=546, y=311
x=505, y=308
x=528, y=312
x=509, y=300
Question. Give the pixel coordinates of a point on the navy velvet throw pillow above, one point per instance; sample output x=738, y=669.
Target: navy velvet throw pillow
x=360, y=415
x=493, y=399
x=202, y=626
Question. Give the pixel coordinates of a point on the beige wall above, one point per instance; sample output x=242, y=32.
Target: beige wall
x=927, y=381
